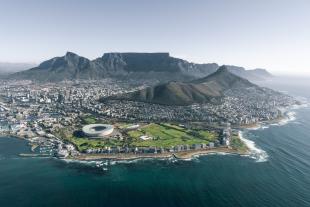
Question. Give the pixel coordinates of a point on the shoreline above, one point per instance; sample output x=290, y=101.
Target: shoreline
x=278, y=120
x=259, y=124
x=184, y=155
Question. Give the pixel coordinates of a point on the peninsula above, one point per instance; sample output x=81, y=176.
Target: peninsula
x=83, y=111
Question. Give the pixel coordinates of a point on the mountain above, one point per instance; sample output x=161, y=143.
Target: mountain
x=204, y=90
x=255, y=74
x=133, y=66
x=69, y=67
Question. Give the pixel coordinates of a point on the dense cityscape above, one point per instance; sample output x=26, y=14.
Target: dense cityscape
x=39, y=112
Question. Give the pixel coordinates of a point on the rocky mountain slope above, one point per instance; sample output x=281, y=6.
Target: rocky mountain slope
x=209, y=89
x=159, y=66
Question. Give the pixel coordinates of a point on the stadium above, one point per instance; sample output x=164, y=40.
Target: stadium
x=98, y=130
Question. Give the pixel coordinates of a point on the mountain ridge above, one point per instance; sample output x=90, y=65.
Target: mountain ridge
x=159, y=66
x=204, y=90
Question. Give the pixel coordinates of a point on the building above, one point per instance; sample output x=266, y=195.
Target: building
x=98, y=130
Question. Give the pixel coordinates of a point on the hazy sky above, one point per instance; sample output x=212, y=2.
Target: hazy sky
x=272, y=34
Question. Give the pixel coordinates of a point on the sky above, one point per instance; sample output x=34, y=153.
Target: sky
x=271, y=34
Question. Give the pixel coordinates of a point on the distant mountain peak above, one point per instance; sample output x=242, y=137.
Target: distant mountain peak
x=223, y=75
x=70, y=54
x=222, y=69
x=158, y=66
x=204, y=90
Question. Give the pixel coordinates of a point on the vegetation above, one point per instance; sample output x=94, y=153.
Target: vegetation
x=89, y=119
x=237, y=144
x=161, y=135
x=84, y=143
x=209, y=89
x=168, y=135
x=124, y=125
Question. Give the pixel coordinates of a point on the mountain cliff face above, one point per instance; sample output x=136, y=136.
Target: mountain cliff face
x=204, y=90
x=255, y=74
x=160, y=66
x=68, y=67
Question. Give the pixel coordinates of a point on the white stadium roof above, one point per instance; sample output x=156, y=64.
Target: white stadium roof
x=98, y=130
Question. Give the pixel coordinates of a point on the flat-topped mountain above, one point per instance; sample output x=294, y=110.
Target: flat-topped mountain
x=140, y=62
x=159, y=66
x=204, y=90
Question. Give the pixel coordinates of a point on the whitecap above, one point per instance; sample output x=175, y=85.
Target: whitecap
x=259, y=126
x=190, y=159
x=289, y=117
x=91, y=163
x=85, y=162
x=256, y=153
x=125, y=161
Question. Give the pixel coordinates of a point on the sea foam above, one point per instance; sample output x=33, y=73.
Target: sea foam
x=91, y=163
x=256, y=153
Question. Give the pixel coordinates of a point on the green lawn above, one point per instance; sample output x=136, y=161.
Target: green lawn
x=89, y=120
x=164, y=135
x=83, y=143
x=238, y=144
x=167, y=135
x=124, y=125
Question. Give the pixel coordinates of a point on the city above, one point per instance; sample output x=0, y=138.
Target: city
x=50, y=115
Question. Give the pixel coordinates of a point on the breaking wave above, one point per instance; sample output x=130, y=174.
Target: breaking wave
x=256, y=153
x=102, y=164
x=289, y=117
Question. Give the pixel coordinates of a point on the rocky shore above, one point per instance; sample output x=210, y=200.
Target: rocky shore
x=184, y=155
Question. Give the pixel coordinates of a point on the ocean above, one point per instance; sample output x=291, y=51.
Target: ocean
x=277, y=174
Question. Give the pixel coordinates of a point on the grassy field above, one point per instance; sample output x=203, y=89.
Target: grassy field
x=167, y=135
x=237, y=144
x=83, y=143
x=89, y=120
x=163, y=135
x=122, y=125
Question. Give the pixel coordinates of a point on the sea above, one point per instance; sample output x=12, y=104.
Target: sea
x=276, y=174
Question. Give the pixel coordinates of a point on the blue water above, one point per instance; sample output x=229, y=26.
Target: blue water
x=213, y=180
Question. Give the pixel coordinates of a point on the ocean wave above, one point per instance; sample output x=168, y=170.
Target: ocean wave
x=91, y=163
x=104, y=163
x=113, y=162
x=289, y=116
x=256, y=153
x=261, y=126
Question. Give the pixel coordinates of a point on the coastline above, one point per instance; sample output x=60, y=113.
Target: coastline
x=184, y=155
x=252, y=151
x=285, y=117
x=260, y=123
